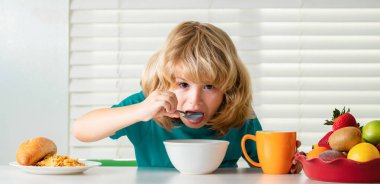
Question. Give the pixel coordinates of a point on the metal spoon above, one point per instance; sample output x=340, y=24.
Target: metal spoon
x=191, y=115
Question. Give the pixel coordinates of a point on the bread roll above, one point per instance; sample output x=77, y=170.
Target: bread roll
x=33, y=150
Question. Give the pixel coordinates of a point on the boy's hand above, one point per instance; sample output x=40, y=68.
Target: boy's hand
x=159, y=104
x=296, y=165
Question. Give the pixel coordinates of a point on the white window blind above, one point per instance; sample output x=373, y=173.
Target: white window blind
x=305, y=57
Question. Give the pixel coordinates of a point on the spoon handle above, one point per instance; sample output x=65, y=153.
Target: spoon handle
x=181, y=112
x=188, y=115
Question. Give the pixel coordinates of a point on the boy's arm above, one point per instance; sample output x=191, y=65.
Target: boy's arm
x=101, y=123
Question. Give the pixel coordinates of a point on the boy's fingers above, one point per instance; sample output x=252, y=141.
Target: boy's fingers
x=296, y=168
x=294, y=162
x=166, y=107
x=298, y=143
x=172, y=115
x=292, y=171
x=170, y=98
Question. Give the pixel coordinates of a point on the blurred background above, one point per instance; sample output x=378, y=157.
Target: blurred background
x=60, y=59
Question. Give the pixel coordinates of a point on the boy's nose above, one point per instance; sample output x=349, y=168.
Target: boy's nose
x=195, y=97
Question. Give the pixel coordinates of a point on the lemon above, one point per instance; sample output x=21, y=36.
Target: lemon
x=363, y=152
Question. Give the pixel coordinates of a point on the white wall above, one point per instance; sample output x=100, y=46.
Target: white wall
x=33, y=73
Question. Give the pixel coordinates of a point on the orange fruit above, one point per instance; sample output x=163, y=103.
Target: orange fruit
x=315, y=152
x=363, y=152
x=314, y=146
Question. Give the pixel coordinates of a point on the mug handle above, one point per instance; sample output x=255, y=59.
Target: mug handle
x=245, y=138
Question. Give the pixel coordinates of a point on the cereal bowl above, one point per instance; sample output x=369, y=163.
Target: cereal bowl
x=196, y=156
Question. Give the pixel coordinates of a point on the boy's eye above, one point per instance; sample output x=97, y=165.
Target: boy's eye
x=183, y=84
x=209, y=86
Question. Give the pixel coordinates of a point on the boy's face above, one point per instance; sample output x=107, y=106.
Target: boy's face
x=193, y=97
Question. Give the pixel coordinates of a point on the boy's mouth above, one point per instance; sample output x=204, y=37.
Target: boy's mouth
x=194, y=112
x=195, y=121
x=195, y=117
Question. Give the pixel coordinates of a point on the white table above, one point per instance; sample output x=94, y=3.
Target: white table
x=130, y=175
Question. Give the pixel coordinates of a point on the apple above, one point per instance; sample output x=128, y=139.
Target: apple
x=371, y=132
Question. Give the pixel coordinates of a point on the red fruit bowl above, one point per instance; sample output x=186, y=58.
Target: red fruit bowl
x=341, y=170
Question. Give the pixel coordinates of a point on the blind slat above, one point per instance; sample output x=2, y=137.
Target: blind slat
x=369, y=111
x=226, y=15
x=202, y=4
x=317, y=97
x=262, y=70
x=315, y=125
x=306, y=70
x=111, y=57
x=126, y=71
x=242, y=43
x=105, y=85
x=317, y=84
x=233, y=29
x=91, y=99
x=248, y=57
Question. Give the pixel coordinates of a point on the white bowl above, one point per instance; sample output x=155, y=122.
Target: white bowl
x=196, y=156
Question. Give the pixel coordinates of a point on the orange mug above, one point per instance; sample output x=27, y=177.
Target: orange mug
x=275, y=150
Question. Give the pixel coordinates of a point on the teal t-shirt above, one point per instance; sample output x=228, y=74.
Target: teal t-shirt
x=147, y=138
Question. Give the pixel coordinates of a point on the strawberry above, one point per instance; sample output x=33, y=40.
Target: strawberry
x=342, y=119
x=324, y=142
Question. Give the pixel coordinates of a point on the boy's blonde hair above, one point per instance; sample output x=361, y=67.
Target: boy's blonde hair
x=204, y=54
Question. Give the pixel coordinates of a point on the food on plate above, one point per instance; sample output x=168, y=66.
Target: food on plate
x=41, y=151
x=58, y=161
x=371, y=132
x=331, y=155
x=345, y=138
x=363, y=152
x=33, y=150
